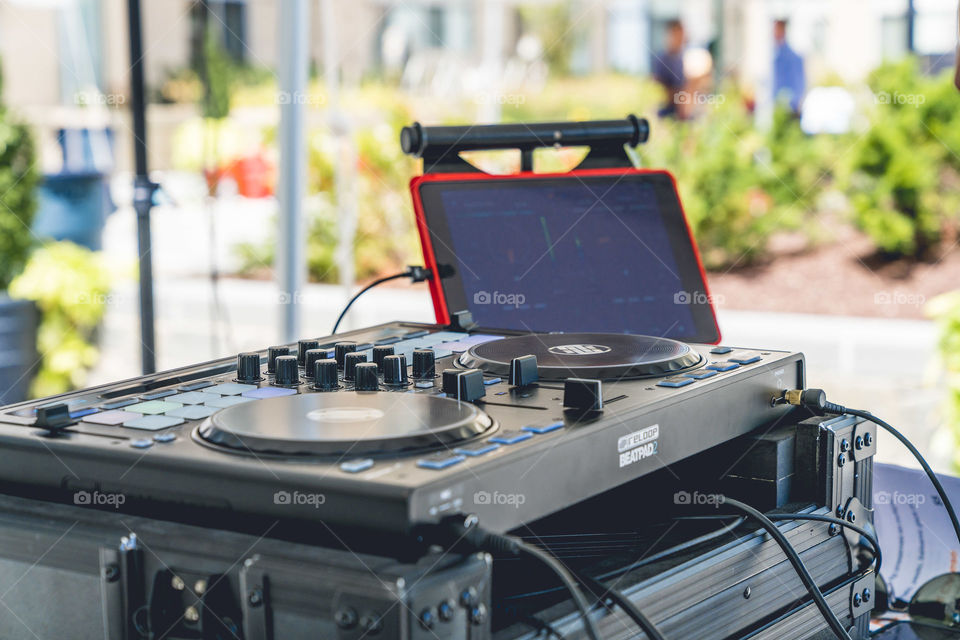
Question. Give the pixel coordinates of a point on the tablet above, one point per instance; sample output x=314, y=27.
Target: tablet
x=606, y=250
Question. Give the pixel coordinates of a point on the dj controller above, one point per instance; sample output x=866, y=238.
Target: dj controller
x=401, y=424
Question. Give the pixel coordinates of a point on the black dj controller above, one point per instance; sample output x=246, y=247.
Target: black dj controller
x=399, y=424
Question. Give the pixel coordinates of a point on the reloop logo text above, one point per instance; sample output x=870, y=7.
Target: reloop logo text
x=578, y=349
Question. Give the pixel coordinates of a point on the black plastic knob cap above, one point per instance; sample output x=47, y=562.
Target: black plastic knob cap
x=471, y=387
x=379, y=353
x=451, y=381
x=350, y=362
x=311, y=358
x=302, y=347
x=424, y=363
x=288, y=373
x=583, y=394
x=272, y=354
x=523, y=371
x=341, y=349
x=395, y=370
x=248, y=367
x=325, y=375
x=366, y=377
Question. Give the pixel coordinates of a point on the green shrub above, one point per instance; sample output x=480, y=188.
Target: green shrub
x=70, y=286
x=18, y=200
x=904, y=171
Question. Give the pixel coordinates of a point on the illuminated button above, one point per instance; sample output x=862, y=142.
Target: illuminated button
x=154, y=407
x=356, y=466
x=478, y=449
x=192, y=412
x=490, y=381
x=700, y=375
x=79, y=413
x=193, y=397
x=721, y=350
x=543, y=428
x=440, y=461
x=230, y=388
x=511, y=437
x=141, y=443
x=111, y=418
x=169, y=436
x=723, y=366
x=227, y=401
x=269, y=392
x=675, y=382
x=747, y=360
x=153, y=423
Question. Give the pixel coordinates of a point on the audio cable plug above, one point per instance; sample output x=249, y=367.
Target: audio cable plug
x=814, y=400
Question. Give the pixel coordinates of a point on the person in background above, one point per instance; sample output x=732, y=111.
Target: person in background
x=789, y=81
x=668, y=71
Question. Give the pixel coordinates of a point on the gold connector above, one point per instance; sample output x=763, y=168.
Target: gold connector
x=793, y=396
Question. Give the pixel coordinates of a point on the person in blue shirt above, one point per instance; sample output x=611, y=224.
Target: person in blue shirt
x=667, y=67
x=789, y=81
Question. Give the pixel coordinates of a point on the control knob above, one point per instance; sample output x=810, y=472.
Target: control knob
x=288, y=374
x=395, y=370
x=366, y=374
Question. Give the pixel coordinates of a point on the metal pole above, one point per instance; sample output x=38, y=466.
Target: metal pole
x=143, y=188
x=294, y=26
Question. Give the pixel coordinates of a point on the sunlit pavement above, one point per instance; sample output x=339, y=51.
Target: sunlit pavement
x=885, y=366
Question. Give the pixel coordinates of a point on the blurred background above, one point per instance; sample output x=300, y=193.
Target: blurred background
x=816, y=144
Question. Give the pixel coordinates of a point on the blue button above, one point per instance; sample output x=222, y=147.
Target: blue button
x=500, y=393
x=749, y=360
x=169, y=436
x=79, y=413
x=479, y=449
x=440, y=461
x=674, y=383
x=721, y=350
x=356, y=466
x=511, y=437
x=723, y=366
x=489, y=381
x=141, y=443
x=156, y=395
x=700, y=375
x=193, y=386
x=543, y=428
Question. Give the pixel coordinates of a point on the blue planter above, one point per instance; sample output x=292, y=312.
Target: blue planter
x=74, y=207
x=18, y=348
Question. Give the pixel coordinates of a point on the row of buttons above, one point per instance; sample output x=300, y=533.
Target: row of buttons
x=684, y=379
x=445, y=459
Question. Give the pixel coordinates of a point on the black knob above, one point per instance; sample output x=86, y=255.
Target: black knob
x=585, y=395
x=302, y=347
x=248, y=367
x=272, y=354
x=325, y=375
x=312, y=356
x=523, y=371
x=288, y=374
x=450, y=381
x=395, y=370
x=350, y=362
x=379, y=353
x=366, y=373
x=424, y=363
x=341, y=349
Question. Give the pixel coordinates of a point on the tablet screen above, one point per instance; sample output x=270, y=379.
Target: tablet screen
x=569, y=253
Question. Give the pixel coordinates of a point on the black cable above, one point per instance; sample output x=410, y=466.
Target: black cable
x=835, y=625
x=815, y=400
x=602, y=591
x=464, y=531
x=416, y=274
x=816, y=517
